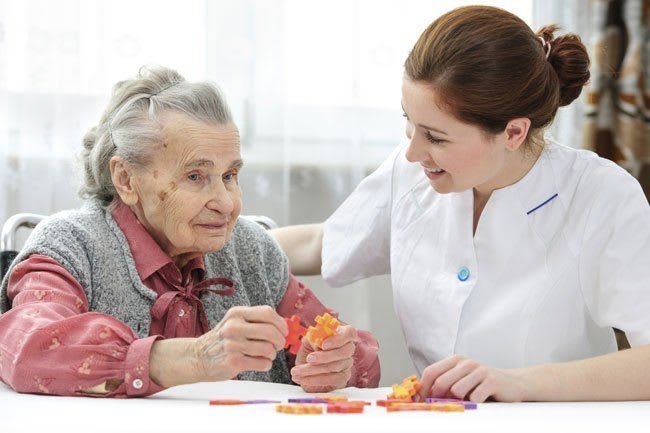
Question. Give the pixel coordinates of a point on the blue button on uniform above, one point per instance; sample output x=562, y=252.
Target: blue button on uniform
x=463, y=274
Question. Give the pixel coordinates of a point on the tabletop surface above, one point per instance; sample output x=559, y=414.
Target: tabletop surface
x=186, y=409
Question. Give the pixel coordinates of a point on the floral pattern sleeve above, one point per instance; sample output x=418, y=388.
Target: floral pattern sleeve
x=51, y=344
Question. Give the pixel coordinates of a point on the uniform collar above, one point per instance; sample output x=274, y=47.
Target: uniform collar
x=536, y=189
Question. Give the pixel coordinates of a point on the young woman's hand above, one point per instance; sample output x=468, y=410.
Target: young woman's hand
x=458, y=377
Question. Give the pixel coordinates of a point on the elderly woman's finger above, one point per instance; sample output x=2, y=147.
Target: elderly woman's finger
x=263, y=332
x=264, y=314
x=258, y=349
x=344, y=334
x=333, y=380
x=305, y=370
x=252, y=363
x=327, y=356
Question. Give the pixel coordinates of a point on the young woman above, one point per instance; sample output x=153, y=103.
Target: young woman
x=512, y=257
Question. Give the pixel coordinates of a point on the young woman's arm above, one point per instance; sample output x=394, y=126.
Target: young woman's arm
x=616, y=376
x=623, y=375
x=303, y=245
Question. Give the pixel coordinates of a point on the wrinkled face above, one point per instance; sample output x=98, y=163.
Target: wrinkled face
x=454, y=156
x=188, y=196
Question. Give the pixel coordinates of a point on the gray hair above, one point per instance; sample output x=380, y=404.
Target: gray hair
x=129, y=126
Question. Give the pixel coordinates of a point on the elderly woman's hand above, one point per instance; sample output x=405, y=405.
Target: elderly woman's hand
x=327, y=369
x=247, y=339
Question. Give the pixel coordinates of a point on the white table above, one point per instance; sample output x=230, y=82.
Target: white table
x=186, y=409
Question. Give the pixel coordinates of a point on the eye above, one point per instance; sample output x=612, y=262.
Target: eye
x=404, y=115
x=431, y=139
x=229, y=177
x=194, y=177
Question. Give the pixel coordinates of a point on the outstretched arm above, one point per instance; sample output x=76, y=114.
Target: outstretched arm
x=616, y=376
x=303, y=245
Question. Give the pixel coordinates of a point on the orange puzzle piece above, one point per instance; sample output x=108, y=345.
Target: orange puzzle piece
x=346, y=407
x=226, y=402
x=332, y=398
x=300, y=409
x=406, y=390
x=326, y=326
x=296, y=331
x=390, y=401
x=430, y=407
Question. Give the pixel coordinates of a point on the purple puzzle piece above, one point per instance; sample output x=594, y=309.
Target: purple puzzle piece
x=468, y=404
x=262, y=401
x=307, y=400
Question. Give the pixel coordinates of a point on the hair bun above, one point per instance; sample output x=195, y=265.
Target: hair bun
x=90, y=138
x=570, y=60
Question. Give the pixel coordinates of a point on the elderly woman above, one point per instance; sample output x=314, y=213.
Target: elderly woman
x=156, y=282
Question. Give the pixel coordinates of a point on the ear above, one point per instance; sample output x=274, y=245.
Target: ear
x=516, y=133
x=121, y=175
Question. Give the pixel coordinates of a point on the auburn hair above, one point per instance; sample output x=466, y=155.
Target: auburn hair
x=488, y=67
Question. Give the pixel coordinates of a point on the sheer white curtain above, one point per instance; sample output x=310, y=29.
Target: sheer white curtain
x=314, y=87
x=58, y=61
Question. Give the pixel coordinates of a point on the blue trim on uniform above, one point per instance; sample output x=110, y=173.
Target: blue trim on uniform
x=533, y=210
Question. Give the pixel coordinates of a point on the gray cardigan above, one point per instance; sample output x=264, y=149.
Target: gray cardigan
x=90, y=245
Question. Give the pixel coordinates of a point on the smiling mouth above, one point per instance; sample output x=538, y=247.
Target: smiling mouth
x=434, y=173
x=213, y=226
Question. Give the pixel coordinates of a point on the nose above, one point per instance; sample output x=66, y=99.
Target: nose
x=221, y=200
x=416, y=152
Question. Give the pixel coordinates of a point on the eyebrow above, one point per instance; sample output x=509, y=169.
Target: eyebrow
x=430, y=128
x=238, y=163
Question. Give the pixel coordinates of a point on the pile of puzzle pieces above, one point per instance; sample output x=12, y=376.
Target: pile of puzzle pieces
x=401, y=399
x=406, y=390
x=305, y=406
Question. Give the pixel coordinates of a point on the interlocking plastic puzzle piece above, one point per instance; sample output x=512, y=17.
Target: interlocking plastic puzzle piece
x=359, y=402
x=412, y=383
x=430, y=407
x=448, y=407
x=407, y=389
x=399, y=392
x=389, y=401
x=296, y=331
x=332, y=398
x=226, y=402
x=326, y=326
x=469, y=405
x=346, y=407
x=311, y=400
x=300, y=409
x=262, y=401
